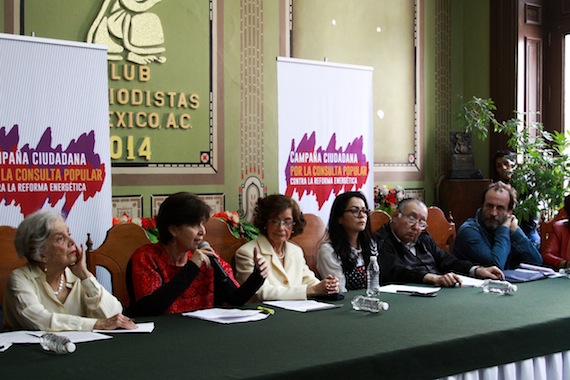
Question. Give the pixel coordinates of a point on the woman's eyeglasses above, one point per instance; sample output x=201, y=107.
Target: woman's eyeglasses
x=356, y=212
x=286, y=223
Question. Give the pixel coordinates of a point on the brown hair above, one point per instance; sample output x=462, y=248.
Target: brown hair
x=500, y=186
x=269, y=207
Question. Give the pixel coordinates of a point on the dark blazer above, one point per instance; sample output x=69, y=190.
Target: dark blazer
x=399, y=265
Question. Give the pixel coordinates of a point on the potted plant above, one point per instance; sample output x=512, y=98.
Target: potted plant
x=477, y=115
x=543, y=167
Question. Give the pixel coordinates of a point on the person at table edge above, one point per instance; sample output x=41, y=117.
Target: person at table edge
x=408, y=254
x=290, y=278
x=556, y=249
x=55, y=291
x=350, y=243
x=493, y=237
x=178, y=274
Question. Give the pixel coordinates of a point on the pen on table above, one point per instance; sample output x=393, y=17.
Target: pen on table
x=419, y=294
x=266, y=310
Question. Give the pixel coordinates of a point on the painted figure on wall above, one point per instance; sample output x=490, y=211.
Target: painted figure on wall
x=128, y=24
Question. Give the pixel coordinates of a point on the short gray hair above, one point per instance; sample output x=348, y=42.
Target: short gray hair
x=33, y=233
x=404, y=203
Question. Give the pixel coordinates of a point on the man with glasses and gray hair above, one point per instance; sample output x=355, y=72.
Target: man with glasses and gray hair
x=408, y=254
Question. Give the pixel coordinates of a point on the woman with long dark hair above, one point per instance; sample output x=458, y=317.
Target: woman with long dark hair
x=350, y=244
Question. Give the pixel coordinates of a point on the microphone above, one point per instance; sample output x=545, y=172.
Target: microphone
x=214, y=260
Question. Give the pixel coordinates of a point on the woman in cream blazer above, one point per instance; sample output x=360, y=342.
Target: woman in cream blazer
x=278, y=217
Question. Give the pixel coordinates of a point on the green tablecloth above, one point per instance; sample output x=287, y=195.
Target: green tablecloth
x=459, y=330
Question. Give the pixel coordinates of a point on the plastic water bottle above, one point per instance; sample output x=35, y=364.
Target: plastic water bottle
x=371, y=304
x=498, y=286
x=57, y=344
x=373, y=277
x=565, y=272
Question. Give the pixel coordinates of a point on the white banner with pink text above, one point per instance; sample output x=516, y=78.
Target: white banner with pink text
x=325, y=132
x=54, y=133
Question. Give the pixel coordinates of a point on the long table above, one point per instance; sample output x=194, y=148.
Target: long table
x=459, y=330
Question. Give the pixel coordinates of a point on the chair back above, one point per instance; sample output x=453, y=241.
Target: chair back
x=311, y=238
x=440, y=229
x=9, y=259
x=377, y=219
x=221, y=238
x=114, y=255
x=546, y=227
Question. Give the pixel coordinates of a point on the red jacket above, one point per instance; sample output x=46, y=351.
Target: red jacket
x=557, y=246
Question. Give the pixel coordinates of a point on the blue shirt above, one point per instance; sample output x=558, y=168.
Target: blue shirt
x=502, y=248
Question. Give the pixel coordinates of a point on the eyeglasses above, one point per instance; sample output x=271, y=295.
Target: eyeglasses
x=356, y=212
x=286, y=223
x=412, y=221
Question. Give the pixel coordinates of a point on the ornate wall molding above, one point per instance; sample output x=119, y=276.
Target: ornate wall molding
x=252, y=117
x=442, y=86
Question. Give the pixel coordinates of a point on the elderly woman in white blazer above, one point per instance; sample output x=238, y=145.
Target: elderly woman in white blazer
x=278, y=217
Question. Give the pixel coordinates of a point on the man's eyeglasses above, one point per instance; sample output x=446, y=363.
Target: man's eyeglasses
x=286, y=223
x=412, y=221
x=358, y=211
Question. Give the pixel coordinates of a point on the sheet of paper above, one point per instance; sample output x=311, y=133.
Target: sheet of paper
x=302, y=306
x=409, y=289
x=74, y=336
x=547, y=271
x=146, y=327
x=523, y=275
x=5, y=346
x=470, y=281
x=226, y=316
x=15, y=337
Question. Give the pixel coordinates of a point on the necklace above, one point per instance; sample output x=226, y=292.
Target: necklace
x=281, y=255
x=61, y=280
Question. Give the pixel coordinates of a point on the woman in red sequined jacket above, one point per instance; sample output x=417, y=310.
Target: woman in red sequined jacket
x=182, y=272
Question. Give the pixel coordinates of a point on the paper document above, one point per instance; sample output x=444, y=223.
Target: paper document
x=16, y=337
x=470, y=281
x=146, y=327
x=408, y=289
x=74, y=336
x=523, y=275
x=227, y=315
x=302, y=306
x=546, y=271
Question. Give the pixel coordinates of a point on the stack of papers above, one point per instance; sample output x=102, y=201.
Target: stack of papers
x=410, y=290
x=467, y=281
x=528, y=272
x=548, y=272
x=302, y=306
x=145, y=327
x=16, y=337
x=226, y=316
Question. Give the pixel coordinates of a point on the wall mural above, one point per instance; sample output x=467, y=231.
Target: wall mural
x=163, y=117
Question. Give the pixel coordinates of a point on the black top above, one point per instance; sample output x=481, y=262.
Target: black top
x=399, y=265
x=225, y=291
